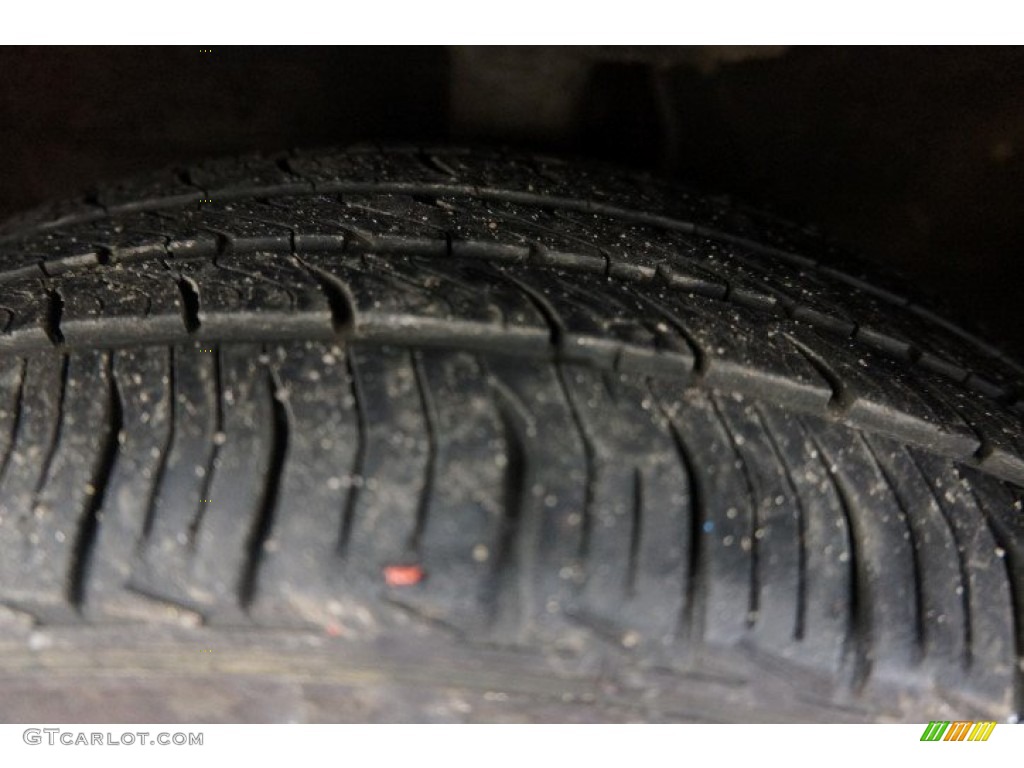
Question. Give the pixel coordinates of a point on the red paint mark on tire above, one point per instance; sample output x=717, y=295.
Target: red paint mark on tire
x=402, y=575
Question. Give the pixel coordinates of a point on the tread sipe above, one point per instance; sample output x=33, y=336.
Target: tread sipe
x=414, y=434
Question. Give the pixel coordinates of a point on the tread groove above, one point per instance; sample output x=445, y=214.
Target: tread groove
x=636, y=532
x=517, y=540
x=801, y=595
x=189, y=303
x=85, y=536
x=589, y=459
x=57, y=429
x=754, y=602
x=690, y=616
x=269, y=501
x=430, y=470
x=165, y=452
x=556, y=326
x=920, y=622
x=54, y=313
x=339, y=299
x=16, y=420
x=211, y=461
x=348, y=512
x=700, y=356
x=859, y=611
x=842, y=397
x=965, y=581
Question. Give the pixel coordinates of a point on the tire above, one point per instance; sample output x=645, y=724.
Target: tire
x=442, y=435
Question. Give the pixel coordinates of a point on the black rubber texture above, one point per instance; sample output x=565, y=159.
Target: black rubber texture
x=629, y=432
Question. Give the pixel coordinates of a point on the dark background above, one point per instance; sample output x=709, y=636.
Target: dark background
x=913, y=157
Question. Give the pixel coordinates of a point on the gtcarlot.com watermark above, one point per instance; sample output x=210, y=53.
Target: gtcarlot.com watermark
x=58, y=736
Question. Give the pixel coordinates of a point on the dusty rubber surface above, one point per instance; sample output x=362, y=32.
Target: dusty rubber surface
x=493, y=427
